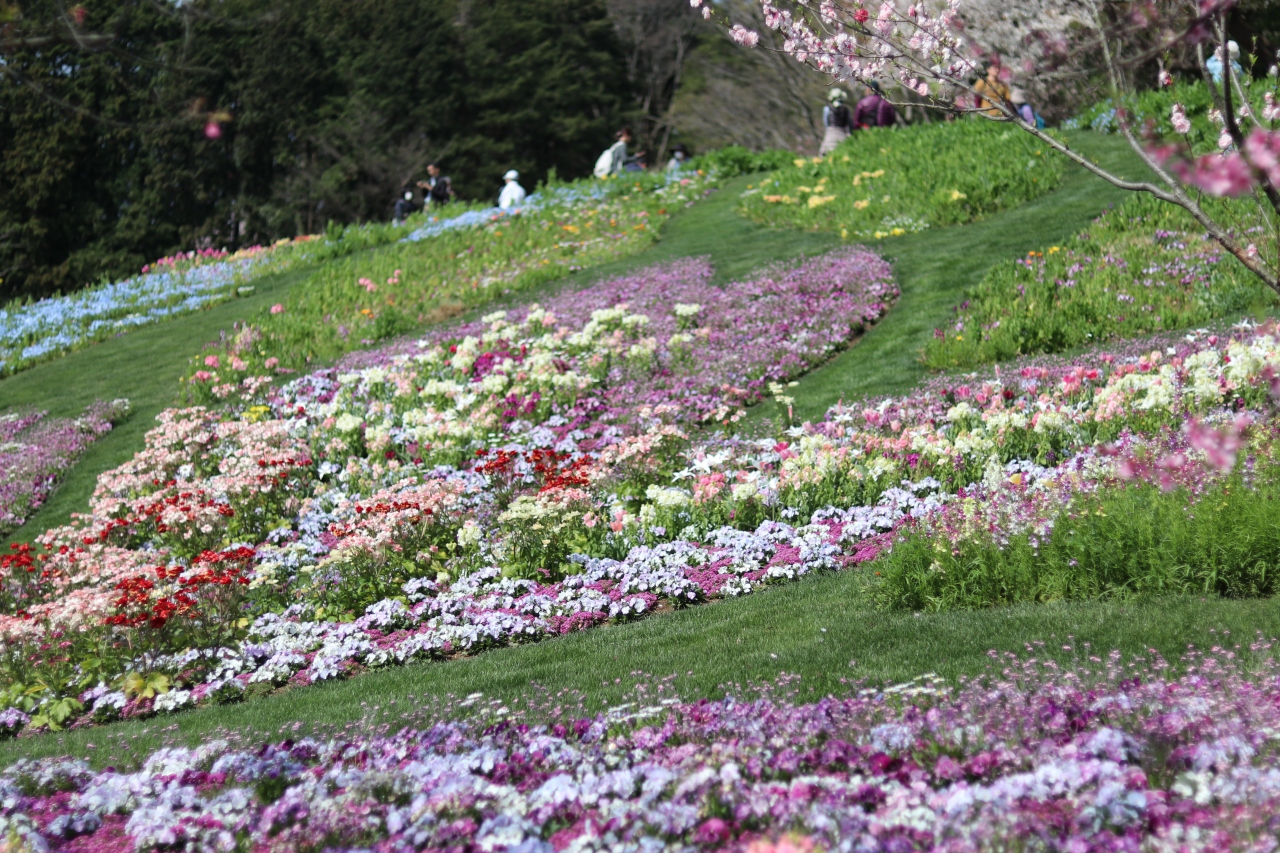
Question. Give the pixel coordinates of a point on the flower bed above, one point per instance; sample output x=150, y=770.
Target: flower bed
x=34, y=453
x=1143, y=267
x=1107, y=755
x=459, y=497
x=358, y=301
x=489, y=490
x=883, y=182
x=37, y=331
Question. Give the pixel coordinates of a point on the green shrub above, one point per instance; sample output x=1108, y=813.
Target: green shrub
x=734, y=160
x=1126, y=541
x=1154, y=106
x=1143, y=267
x=891, y=181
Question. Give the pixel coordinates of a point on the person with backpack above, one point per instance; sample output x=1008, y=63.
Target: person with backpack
x=837, y=122
x=614, y=159
x=874, y=110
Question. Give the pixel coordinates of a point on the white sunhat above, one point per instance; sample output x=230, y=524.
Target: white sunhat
x=511, y=175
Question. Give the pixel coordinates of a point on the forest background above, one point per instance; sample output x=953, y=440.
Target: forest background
x=131, y=129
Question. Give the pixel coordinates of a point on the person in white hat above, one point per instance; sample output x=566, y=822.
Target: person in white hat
x=512, y=193
x=1215, y=64
x=837, y=121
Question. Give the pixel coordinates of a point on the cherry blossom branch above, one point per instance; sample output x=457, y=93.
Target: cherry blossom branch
x=924, y=53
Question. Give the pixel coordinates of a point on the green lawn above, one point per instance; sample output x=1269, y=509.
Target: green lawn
x=752, y=639
x=717, y=644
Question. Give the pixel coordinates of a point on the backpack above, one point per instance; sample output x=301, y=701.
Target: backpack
x=604, y=164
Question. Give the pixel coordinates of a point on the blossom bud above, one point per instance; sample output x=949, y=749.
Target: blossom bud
x=1224, y=140
x=1179, y=117
x=1166, y=79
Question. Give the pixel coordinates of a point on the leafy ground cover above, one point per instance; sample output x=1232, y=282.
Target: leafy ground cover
x=1140, y=268
x=35, y=451
x=883, y=183
x=1111, y=754
x=358, y=301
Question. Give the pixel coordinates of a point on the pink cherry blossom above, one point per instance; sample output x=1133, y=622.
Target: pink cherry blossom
x=1217, y=174
x=1263, y=150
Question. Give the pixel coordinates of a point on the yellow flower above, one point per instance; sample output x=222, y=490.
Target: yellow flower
x=803, y=190
x=819, y=200
x=862, y=203
x=572, y=229
x=844, y=233
x=880, y=235
x=897, y=232
x=1054, y=249
x=1016, y=479
x=956, y=195
x=800, y=161
x=885, y=200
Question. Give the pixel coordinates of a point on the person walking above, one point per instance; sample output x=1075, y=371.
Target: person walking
x=874, y=110
x=614, y=159
x=512, y=193
x=837, y=121
x=437, y=187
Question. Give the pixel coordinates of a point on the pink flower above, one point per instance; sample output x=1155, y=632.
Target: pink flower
x=277, y=308
x=1224, y=140
x=1263, y=148
x=1180, y=122
x=202, y=376
x=238, y=364
x=211, y=361
x=213, y=130
x=367, y=284
x=1217, y=174
x=861, y=16
x=1270, y=109
x=742, y=35
x=272, y=363
x=1166, y=79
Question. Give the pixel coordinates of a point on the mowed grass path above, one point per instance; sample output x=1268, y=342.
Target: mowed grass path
x=818, y=628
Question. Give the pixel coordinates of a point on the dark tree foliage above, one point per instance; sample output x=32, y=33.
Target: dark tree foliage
x=324, y=111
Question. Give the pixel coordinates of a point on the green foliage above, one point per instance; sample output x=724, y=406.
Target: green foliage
x=1127, y=541
x=1143, y=267
x=1153, y=107
x=734, y=160
x=888, y=182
